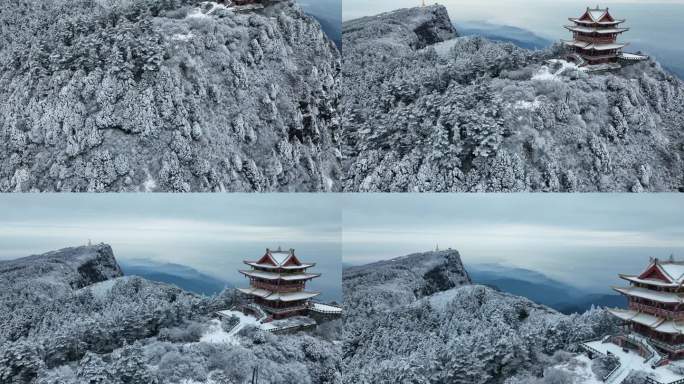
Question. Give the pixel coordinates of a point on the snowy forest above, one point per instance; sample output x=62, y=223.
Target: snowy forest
x=426, y=110
x=419, y=319
x=71, y=317
x=166, y=95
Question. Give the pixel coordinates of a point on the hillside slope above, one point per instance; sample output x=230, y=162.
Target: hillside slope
x=396, y=331
x=173, y=95
x=447, y=113
x=70, y=317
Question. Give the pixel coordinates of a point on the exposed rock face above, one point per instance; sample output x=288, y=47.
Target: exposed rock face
x=423, y=113
x=77, y=267
x=415, y=27
x=419, y=319
x=177, y=95
x=405, y=279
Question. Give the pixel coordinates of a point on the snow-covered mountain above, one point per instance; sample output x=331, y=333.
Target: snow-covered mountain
x=71, y=317
x=424, y=110
x=419, y=319
x=175, y=95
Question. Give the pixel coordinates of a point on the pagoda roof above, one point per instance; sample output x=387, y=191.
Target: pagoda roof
x=669, y=272
x=654, y=282
x=649, y=294
x=597, y=15
x=655, y=323
x=577, y=28
x=591, y=22
x=593, y=46
x=286, y=267
x=278, y=296
x=279, y=259
x=280, y=276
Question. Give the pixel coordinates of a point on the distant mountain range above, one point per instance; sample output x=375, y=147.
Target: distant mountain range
x=540, y=288
x=328, y=13
x=518, y=36
x=181, y=276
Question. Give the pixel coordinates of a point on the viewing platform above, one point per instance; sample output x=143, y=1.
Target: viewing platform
x=631, y=360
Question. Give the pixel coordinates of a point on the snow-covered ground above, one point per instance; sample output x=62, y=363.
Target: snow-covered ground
x=444, y=48
x=580, y=367
x=217, y=335
x=632, y=361
x=545, y=73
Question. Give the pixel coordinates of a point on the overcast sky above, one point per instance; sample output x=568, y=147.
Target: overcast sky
x=583, y=239
x=211, y=233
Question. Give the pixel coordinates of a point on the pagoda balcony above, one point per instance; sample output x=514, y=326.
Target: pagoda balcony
x=594, y=39
x=655, y=311
x=277, y=287
x=594, y=58
x=285, y=310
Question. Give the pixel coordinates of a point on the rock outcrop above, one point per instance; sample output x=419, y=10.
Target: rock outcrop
x=75, y=267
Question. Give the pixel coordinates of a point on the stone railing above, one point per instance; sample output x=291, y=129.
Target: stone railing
x=612, y=373
x=650, y=380
x=312, y=307
x=668, y=347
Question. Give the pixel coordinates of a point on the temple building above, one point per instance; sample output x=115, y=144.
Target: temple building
x=654, y=317
x=595, y=40
x=277, y=284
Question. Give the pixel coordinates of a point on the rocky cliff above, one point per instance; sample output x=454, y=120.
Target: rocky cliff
x=419, y=319
x=73, y=267
x=175, y=95
x=404, y=279
x=426, y=111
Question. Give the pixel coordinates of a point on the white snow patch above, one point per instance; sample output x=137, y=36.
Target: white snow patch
x=149, y=184
x=442, y=299
x=443, y=48
x=328, y=183
x=101, y=289
x=580, y=368
x=196, y=14
x=545, y=74
x=216, y=334
x=182, y=36
x=200, y=13
x=528, y=105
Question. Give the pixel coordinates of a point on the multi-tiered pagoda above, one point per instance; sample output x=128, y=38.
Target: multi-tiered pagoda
x=656, y=311
x=595, y=36
x=277, y=284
